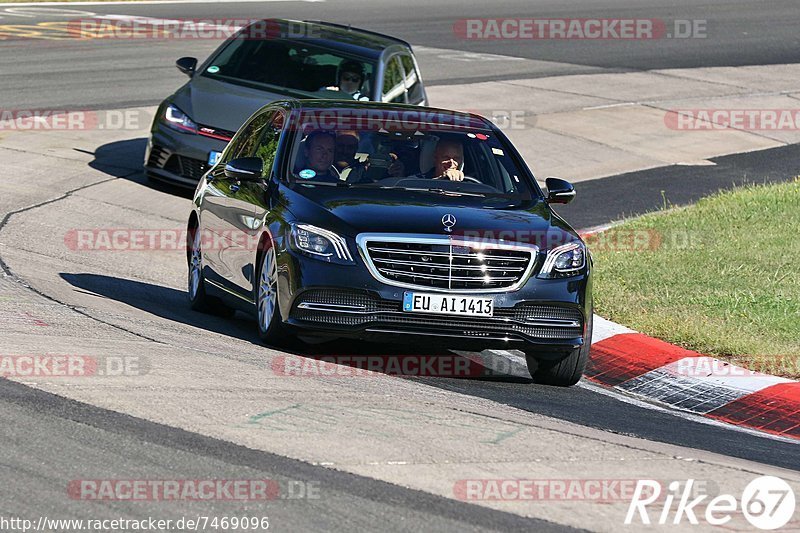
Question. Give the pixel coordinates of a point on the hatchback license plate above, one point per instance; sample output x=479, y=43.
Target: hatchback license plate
x=446, y=304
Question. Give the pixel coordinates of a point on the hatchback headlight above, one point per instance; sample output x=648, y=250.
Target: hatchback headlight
x=564, y=261
x=178, y=120
x=320, y=243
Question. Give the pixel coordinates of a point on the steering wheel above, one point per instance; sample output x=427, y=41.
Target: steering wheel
x=466, y=178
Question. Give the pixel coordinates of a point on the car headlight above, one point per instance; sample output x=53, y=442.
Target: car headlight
x=564, y=261
x=320, y=244
x=178, y=120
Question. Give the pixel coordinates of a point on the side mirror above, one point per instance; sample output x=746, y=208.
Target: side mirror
x=559, y=191
x=244, y=169
x=187, y=65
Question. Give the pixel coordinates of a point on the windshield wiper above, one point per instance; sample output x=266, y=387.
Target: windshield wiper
x=446, y=192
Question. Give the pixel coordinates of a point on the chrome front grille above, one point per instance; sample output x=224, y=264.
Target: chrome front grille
x=450, y=263
x=342, y=308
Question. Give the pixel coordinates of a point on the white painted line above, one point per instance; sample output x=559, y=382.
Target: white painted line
x=698, y=163
x=607, y=106
x=460, y=55
x=681, y=392
x=601, y=228
x=139, y=2
x=604, y=329
x=722, y=374
x=172, y=23
x=624, y=398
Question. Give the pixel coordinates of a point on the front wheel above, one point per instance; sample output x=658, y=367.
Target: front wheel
x=198, y=299
x=563, y=371
x=270, y=328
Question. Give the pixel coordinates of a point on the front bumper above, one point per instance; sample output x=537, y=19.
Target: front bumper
x=327, y=300
x=178, y=157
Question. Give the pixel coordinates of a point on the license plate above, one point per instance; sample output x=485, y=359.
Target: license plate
x=213, y=157
x=447, y=304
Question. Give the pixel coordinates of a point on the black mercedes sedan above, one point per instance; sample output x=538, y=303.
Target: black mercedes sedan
x=396, y=223
x=267, y=60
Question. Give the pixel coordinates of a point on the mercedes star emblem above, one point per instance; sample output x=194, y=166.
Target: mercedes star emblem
x=449, y=221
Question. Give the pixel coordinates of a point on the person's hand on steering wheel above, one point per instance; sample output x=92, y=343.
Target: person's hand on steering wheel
x=452, y=173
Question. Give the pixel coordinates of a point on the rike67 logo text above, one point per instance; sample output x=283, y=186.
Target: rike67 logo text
x=767, y=503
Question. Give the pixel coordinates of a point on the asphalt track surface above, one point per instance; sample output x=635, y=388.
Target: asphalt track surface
x=50, y=73
x=41, y=425
x=71, y=433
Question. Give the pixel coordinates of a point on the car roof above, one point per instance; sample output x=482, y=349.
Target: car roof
x=325, y=104
x=355, y=41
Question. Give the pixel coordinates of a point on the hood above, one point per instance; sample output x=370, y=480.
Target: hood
x=219, y=104
x=350, y=211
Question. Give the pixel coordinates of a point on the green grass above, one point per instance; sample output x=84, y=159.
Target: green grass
x=724, y=281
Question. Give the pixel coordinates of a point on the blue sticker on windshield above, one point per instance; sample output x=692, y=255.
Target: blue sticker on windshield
x=307, y=174
x=213, y=69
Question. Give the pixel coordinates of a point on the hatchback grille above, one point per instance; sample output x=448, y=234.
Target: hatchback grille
x=215, y=133
x=186, y=166
x=192, y=168
x=445, y=263
x=158, y=156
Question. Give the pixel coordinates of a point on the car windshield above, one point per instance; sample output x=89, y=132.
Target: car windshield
x=316, y=71
x=445, y=153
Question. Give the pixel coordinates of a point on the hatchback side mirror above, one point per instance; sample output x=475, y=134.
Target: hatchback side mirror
x=187, y=65
x=244, y=169
x=559, y=191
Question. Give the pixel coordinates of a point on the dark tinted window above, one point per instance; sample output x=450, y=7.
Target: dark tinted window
x=245, y=144
x=295, y=66
x=409, y=149
x=268, y=146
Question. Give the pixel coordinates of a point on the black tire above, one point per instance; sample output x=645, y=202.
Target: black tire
x=268, y=316
x=196, y=283
x=564, y=371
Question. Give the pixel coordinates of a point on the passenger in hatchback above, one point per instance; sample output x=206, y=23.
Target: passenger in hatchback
x=349, y=78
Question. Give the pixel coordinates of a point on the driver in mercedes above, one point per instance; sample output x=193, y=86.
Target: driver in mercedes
x=448, y=160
